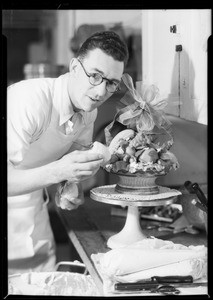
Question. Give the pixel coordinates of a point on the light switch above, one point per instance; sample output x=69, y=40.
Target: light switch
x=175, y=29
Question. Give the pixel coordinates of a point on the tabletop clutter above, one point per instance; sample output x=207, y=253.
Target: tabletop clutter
x=138, y=157
x=151, y=257
x=136, y=153
x=52, y=283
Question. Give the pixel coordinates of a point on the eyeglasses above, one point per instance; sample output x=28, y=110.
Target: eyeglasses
x=96, y=79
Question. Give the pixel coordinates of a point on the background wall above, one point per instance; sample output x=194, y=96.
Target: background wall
x=181, y=76
x=68, y=21
x=51, y=32
x=45, y=37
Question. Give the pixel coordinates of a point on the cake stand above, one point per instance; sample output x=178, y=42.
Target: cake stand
x=132, y=231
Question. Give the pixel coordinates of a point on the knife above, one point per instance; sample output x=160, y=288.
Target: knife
x=134, y=287
x=156, y=281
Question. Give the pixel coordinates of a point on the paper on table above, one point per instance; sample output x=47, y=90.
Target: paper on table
x=52, y=283
x=151, y=257
x=148, y=254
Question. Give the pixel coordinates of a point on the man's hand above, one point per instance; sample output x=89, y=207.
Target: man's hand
x=74, y=167
x=78, y=165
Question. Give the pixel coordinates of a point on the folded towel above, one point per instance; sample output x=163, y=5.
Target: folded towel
x=150, y=257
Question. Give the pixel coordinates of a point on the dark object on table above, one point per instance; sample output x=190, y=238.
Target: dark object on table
x=166, y=213
x=158, y=284
x=202, y=200
x=194, y=215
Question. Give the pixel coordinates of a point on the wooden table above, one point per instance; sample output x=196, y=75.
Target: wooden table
x=90, y=226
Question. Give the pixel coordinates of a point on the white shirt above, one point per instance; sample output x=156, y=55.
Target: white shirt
x=30, y=106
x=39, y=131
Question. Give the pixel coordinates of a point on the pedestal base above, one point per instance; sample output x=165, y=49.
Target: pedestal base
x=131, y=232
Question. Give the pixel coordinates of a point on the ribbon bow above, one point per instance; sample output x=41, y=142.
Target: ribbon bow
x=142, y=110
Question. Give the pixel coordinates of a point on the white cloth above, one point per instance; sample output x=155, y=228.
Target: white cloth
x=39, y=111
x=52, y=284
x=150, y=257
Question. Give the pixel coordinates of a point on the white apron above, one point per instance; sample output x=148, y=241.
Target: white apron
x=31, y=244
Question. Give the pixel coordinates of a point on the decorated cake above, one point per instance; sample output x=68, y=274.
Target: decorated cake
x=138, y=143
x=139, y=139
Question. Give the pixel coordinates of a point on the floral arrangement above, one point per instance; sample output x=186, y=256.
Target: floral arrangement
x=138, y=147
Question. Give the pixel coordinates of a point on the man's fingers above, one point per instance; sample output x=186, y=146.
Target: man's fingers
x=88, y=166
x=79, y=165
x=86, y=156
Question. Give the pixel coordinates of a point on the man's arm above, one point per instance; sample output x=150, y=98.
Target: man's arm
x=25, y=121
x=74, y=167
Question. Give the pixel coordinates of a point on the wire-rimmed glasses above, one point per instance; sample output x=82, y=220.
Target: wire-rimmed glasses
x=97, y=78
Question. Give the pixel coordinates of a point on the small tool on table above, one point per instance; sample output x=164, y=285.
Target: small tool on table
x=158, y=284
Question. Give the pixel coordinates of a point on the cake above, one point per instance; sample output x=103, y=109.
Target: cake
x=139, y=140
x=137, y=153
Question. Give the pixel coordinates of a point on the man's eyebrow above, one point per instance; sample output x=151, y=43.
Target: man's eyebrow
x=110, y=79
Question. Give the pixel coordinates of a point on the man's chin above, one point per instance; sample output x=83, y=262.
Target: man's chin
x=91, y=105
x=88, y=108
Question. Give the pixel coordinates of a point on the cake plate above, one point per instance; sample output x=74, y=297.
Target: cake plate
x=132, y=231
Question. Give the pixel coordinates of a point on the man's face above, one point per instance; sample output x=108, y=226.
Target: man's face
x=84, y=95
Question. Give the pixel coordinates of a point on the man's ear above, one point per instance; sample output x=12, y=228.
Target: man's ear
x=73, y=64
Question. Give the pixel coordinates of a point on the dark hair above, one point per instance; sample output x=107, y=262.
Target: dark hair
x=109, y=42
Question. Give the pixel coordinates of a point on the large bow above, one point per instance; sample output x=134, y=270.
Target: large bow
x=141, y=109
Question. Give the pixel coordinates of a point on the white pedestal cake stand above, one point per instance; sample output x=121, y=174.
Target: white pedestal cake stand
x=132, y=231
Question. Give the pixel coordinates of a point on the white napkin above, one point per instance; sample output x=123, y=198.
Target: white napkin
x=151, y=257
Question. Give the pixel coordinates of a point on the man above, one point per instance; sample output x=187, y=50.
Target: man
x=47, y=119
